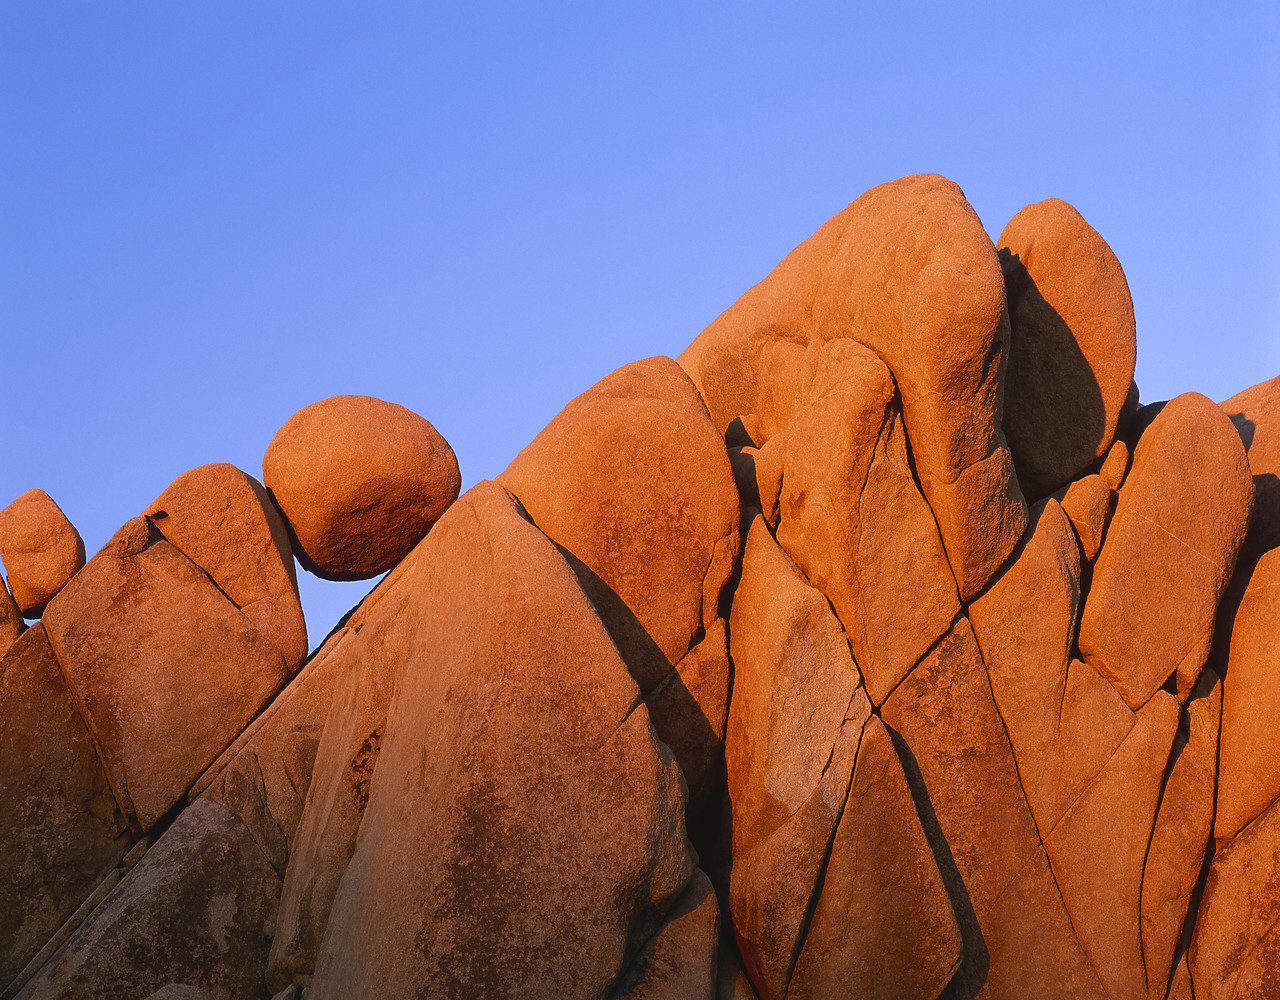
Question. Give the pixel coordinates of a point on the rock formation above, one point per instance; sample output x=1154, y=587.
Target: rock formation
x=880, y=646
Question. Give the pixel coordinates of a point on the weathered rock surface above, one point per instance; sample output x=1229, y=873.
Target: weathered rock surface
x=1171, y=549
x=784, y=694
x=360, y=481
x=1073, y=344
x=601, y=480
x=60, y=828
x=907, y=271
x=166, y=671
x=41, y=550
x=519, y=770
x=223, y=521
x=197, y=910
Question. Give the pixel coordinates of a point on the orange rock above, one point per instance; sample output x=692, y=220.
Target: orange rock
x=679, y=962
x=1170, y=550
x=883, y=927
x=1025, y=624
x=795, y=721
x=633, y=483
x=1180, y=839
x=1255, y=412
x=1098, y=848
x=61, y=830
x=1073, y=344
x=1116, y=465
x=223, y=521
x=850, y=515
x=1089, y=502
x=518, y=770
x=1017, y=938
x=1235, y=948
x=907, y=271
x=41, y=550
x=196, y=909
x=360, y=482
x=11, y=623
x=1250, y=759
x=166, y=671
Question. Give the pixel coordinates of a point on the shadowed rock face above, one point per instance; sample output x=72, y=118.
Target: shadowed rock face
x=753, y=676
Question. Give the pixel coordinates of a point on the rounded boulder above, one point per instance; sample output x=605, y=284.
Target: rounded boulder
x=360, y=481
x=41, y=550
x=1073, y=344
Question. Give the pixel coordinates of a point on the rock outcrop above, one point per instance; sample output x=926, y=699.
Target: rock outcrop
x=754, y=676
x=41, y=550
x=360, y=481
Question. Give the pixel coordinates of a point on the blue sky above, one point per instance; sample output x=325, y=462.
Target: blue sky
x=212, y=214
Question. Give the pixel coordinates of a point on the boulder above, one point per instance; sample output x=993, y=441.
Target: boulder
x=223, y=521
x=1255, y=412
x=1073, y=344
x=197, y=909
x=1116, y=465
x=1089, y=502
x=1170, y=551
x=518, y=770
x=679, y=962
x=61, y=831
x=633, y=484
x=1179, y=843
x=1018, y=939
x=166, y=671
x=907, y=271
x=883, y=927
x=360, y=482
x=1235, y=946
x=850, y=515
x=795, y=722
x=41, y=550
x=1250, y=758
x=11, y=623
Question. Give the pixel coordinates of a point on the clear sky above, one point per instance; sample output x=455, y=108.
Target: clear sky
x=215, y=213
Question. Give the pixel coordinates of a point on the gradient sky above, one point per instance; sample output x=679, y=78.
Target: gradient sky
x=213, y=214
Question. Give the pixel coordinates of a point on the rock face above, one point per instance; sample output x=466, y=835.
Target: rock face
x=753, y=676
x=360, y=481
x=1073, y=344
x=41, y=550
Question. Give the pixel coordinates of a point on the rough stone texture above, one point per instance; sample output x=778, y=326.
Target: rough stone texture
x=1089, y=502
x=1018, y=939
x=1250, y=756
x=602, y=480
x=165, y=670
x=851, y=516
x=1073, y=344
x=1116, y=465
x=197, y=909
x=519, y=769
x=907, y=271
x=1180, y=840
x=1255, y=412
x=223, y=521
x=60, y=828
x=1182, y=516
x=11, y=623
x=907, y=944
x=360, y=482
x=1235, y=948
x=41, y=550
x=1098, y=847
x=679, y=961
x=177, y=991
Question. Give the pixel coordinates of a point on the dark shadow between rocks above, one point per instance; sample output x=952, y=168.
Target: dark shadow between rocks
x=1054, y=416
x=975, y=960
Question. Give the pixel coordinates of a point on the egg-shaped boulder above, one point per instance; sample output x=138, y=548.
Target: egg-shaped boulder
x=41, y=550
x=360, y=481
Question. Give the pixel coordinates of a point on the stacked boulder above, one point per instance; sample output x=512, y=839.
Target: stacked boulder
x=882, y=645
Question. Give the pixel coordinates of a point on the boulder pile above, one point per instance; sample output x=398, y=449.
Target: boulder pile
x=882, y=645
